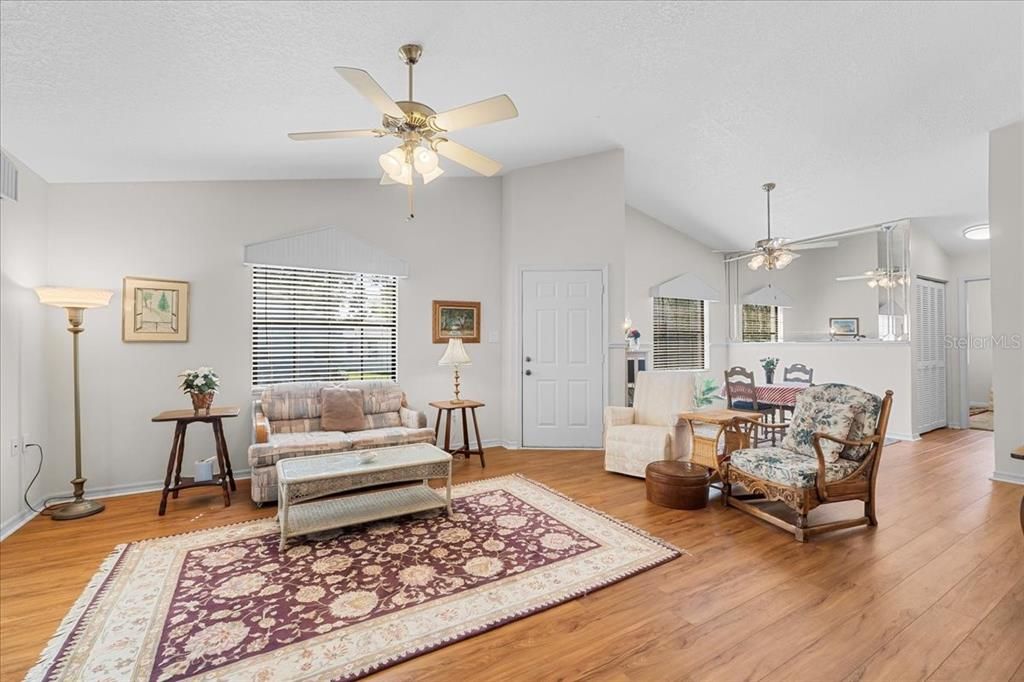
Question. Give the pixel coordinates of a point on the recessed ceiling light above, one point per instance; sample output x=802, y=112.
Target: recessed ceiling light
x=977, y=232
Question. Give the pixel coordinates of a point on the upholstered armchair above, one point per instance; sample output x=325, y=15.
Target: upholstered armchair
x=830, y=453
x=651, y=430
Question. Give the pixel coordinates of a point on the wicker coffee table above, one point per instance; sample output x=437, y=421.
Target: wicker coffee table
x=303, y=480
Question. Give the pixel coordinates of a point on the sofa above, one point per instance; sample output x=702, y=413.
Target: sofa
x=651, y=430
x=286, y=423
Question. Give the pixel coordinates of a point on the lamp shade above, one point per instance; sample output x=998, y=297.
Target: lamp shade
x=68, y=297
x=454, y=355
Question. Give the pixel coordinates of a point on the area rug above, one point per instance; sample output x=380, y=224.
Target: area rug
x=224, y=603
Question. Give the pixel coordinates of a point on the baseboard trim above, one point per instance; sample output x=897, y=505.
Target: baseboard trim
x=120, y=490
x=1007, y=477
x=902, y=436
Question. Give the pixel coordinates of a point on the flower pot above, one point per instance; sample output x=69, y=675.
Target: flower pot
x=201, y=401
x=769, y=376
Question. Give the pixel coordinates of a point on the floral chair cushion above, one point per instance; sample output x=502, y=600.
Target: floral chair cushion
x=786, y=467
x=834, y=419
x=865, y=420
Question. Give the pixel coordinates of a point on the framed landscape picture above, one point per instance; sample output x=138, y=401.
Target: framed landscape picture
x=844, y=326
x=154, y=310
x=456, y=319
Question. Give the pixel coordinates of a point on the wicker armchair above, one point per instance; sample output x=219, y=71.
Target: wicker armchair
x=831, y=453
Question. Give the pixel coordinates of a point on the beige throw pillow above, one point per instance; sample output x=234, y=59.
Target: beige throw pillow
x=342, y=409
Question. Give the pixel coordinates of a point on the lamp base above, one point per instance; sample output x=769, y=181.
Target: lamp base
x=76, y=510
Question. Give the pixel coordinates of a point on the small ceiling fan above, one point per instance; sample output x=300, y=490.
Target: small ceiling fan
x=887, y=279
x=423, y=131
x=775, y=253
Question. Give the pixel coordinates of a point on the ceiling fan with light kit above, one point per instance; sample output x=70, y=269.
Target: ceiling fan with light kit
x=423, y=132
x=775, y=253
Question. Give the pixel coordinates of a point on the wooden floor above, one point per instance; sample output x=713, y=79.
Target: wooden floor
x=935, y=592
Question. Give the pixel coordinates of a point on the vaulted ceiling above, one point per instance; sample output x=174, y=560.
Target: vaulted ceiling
x=860, y=112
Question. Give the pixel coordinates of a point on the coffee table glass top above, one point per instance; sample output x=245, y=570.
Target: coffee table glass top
x=342, y=463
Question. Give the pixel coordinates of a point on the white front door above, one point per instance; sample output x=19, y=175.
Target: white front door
x=930, y=354
x=562, y=363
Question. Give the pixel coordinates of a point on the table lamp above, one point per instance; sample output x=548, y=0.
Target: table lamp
x=75, y=301
x=455, y=356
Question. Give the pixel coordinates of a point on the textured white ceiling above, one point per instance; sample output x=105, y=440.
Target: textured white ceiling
x=860, y=112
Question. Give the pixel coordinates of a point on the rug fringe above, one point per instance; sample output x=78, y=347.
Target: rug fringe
x=50, y=659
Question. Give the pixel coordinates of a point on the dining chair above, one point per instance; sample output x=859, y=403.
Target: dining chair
x=741, y=394
x=798, y=373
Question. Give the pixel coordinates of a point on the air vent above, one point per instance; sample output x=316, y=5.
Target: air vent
x=8, y=179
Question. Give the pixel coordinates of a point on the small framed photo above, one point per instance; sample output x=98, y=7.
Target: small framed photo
x=844, y=326
x=456, y=319
x=154, y=310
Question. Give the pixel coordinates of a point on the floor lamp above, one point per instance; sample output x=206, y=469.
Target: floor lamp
x=75, y=301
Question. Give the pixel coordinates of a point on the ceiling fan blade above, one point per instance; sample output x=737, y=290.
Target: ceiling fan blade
x=477, y=114
x=812, y=245
x=367, y=87
x=742, y=256
x=335, y=134
x=468, y=158
x=850, y=278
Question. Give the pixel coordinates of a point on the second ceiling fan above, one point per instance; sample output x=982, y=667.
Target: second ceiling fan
x=423, y=132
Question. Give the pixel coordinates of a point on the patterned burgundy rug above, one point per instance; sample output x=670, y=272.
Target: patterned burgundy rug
x=224, y=603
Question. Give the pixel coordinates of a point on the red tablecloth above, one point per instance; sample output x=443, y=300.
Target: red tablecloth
x=782, y=394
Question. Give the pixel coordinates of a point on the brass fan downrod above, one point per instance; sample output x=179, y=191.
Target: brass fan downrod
x=410, y=54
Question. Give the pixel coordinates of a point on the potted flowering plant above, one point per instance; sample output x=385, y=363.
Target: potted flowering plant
x=769, y=364
x=633, y=338
x=201, y=384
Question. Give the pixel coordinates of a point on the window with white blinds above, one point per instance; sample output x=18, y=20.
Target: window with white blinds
x=762, y=323
x=319, y=325
x=680, y=340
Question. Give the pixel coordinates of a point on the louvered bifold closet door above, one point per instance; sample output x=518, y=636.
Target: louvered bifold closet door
x=679, y=340
x=316, y=325
x=930, y=351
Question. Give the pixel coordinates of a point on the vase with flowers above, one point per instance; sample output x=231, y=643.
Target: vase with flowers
x=633, y=338
x=769, y=364
x=201, y=384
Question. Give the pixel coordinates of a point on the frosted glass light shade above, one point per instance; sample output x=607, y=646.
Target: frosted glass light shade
x=454, y=355
x=69, y=297
x=392, y=162
x=424, y=159
x=432, y=175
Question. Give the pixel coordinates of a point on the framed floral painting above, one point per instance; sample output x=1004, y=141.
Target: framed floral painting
x=154, y=310
x=456, y=319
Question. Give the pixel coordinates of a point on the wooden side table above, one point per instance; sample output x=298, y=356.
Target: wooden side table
x=182, y=418
x=705, y=445
x=449, y=406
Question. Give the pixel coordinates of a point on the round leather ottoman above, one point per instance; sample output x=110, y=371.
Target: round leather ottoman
x=677, y=484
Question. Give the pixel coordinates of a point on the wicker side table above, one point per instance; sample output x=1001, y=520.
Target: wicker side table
x=719, y=432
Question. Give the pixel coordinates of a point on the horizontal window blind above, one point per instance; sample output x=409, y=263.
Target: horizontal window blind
x=762, y=323
x=679, y=334
x=318, y=325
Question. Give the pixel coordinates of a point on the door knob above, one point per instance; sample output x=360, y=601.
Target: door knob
x=528, y=373
x=527, y=358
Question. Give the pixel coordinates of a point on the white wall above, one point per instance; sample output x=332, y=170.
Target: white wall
x=979, y=351
x=873, y=366
x=23, y=404
x=563, y=214
x=1006, y=216
x=655, y=253
x=99, y=233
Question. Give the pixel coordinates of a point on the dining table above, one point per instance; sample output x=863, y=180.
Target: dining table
x=780, y=394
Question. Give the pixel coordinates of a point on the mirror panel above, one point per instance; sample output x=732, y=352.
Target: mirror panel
x=847, y=286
